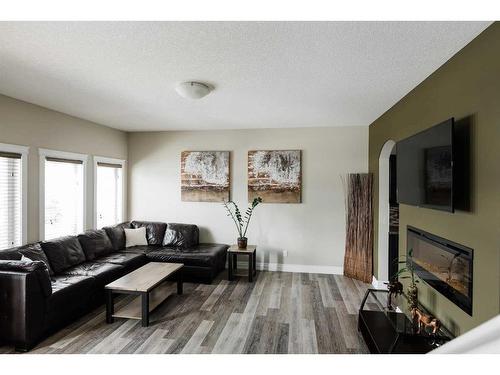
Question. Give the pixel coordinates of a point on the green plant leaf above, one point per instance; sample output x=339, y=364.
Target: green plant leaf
x=402, y=270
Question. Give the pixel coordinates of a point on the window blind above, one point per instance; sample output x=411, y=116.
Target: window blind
x=109, y=194
x=11, y=155
x=61, y=160
x=109, y=165
x=64, y=192
x=10, y=200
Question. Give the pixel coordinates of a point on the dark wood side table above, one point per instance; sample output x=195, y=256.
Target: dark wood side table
x=233, y=252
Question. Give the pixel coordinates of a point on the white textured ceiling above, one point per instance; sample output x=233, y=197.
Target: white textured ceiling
x=266, y=74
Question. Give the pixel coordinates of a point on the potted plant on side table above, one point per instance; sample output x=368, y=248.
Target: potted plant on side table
x=409, y=270
x=240, y=221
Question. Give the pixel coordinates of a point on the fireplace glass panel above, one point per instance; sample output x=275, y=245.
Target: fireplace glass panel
x=444, y=265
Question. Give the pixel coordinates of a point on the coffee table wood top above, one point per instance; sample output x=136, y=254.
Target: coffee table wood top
x=249, y=249
x=145, y=278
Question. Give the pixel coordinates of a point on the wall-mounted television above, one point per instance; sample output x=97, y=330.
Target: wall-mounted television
x=425, y=168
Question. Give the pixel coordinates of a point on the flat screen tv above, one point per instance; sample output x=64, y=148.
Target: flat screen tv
x=425, y=168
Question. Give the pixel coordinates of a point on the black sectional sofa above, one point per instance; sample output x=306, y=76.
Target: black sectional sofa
x=65, y=277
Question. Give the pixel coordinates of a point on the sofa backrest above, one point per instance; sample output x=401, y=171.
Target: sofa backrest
x=155, y=231
x=117, y=235
x=95, y=243
x=181, y=235
x=63, y=253
x=34, y=252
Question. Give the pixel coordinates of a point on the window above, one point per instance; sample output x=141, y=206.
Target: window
x=109, y=191
x=62, y=193
x=13, y=194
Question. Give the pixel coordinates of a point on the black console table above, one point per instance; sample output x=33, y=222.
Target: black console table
x=391, y=331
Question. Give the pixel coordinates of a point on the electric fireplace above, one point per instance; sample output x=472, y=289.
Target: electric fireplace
x=444, y=265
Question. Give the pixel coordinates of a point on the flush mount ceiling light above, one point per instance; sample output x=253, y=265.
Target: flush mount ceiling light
x=193, y=90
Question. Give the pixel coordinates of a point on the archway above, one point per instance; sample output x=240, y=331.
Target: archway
x=383, y=211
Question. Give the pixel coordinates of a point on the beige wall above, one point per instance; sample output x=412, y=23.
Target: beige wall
x=26, y=124
x=312, y=232
x=467, y=85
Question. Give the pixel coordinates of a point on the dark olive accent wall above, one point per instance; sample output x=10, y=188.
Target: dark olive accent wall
x=467, y=86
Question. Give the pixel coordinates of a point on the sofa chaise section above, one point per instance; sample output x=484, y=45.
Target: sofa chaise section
x=202, y=262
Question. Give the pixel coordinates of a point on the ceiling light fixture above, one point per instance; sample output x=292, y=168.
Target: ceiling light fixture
x=193, y=90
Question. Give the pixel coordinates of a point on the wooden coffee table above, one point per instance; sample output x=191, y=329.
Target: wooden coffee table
x=148, y=284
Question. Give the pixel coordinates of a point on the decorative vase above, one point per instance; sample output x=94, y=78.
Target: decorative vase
x=242, y=242
x=412, y=296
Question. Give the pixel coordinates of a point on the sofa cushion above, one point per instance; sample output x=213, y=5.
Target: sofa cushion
x=63, y=253
x=202, y=255
x=34, y=252
x=155, y=231
x=103, y=273
x=62, y=284
x=95, y=243
x=117, y=235
x=128, y=260
x=143, y=249
x=181, y=235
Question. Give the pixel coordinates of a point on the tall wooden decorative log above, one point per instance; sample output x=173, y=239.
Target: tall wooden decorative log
x=358, y=260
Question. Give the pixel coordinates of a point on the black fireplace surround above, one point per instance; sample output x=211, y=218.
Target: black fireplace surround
x=444, y=265
x=65, y=277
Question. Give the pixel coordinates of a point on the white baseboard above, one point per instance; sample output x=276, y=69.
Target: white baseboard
x=302, y=268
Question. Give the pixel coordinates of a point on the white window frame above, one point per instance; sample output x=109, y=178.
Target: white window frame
x=44, y=153
x=123, y=163
x=24, y=151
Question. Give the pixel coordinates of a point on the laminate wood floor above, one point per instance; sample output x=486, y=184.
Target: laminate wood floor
x=278, y=313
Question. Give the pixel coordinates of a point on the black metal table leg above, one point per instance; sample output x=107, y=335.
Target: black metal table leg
x=250, y=267
x=235, y=261
x=255, y=263
x=109, y=307
x=179, y=281
x=145, y=309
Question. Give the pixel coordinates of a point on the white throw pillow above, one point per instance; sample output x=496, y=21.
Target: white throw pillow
x=135, y=237
x=25, y=259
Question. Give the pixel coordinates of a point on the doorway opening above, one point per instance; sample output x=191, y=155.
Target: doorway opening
x=388, y=214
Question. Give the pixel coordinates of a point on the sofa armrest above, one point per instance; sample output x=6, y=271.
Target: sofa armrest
x=24, y=289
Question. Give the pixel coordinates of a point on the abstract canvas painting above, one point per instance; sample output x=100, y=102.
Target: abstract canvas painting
x=275, y=176
x=204, y=176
